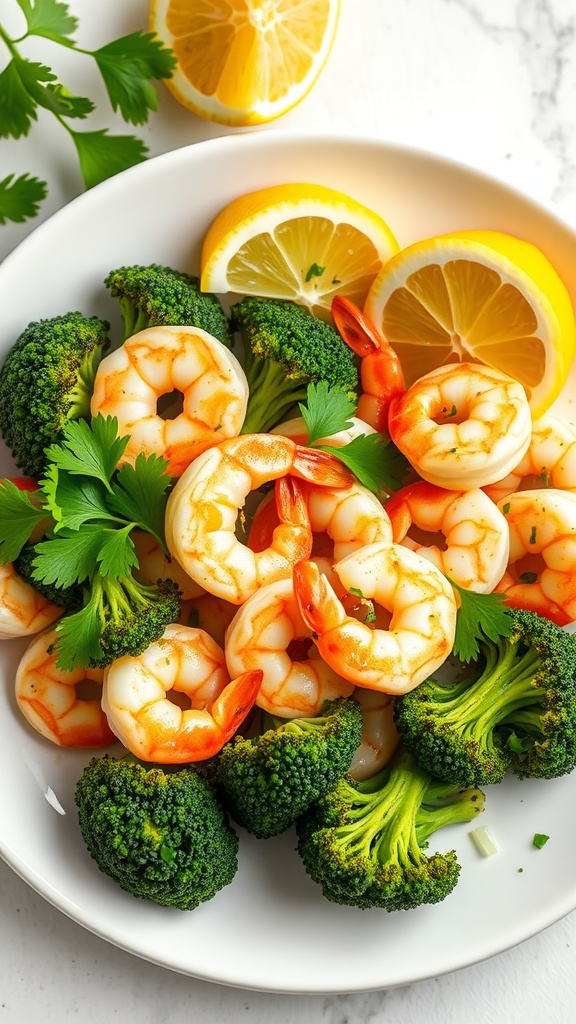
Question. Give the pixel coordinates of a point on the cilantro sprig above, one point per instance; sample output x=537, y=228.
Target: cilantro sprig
x=373, y=458
x=127, y=67
x=479, y=616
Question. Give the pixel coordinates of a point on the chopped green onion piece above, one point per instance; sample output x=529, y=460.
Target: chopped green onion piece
x=540, y=840
x=483, y=841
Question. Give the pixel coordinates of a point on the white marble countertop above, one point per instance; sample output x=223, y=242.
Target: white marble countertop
x=491, y=83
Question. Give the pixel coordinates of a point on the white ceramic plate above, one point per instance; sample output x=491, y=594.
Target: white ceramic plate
x=271, y=929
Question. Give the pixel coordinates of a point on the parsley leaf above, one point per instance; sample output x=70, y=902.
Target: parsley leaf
x=327, y=411
x=18, y=517
x=78, y=636
x=479, y=616
x=89, y=449
x=101, y=155
x=127, y=65
x=69, y=557
x=20, y=85
x=20, y=197
x=49, y=18
x=117, y=556
x=139, y=493
x=60, y=101
x=373, y=459
x=75, y=502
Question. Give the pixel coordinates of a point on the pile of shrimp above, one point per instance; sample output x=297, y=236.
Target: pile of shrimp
x=324, y=589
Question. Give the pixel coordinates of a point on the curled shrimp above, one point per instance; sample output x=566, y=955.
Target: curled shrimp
x=541, y=573
x=153, y=566
x=203, y=509
x=549, y=461
x=64, y=707
x=209, y=613
x=23, y=611
x=297, y=431
x=162, y=361
x=422, y=625
x=473, y=542
x=268, y=632
x=140, y=698
x=462, y=425
x=342, y=520
x=380, y=738
x=381, y=375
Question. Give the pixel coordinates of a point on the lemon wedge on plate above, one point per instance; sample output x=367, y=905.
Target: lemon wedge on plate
x=482, y=296
x=245, y=62
x=296, y=241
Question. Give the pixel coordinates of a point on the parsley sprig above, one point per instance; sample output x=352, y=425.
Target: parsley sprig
x=127, y=67
x=373, y=458
x=479, y=616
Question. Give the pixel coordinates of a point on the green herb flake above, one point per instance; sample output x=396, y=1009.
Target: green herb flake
x=314, y=271
x=532, y=538
x=167, y=854
x=528, y=577
x=540, y=840
x=506, y=508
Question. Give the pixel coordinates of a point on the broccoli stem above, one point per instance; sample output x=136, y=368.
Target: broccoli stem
x=80, y=395
x=135, y=319
x=124, y=596
x=273, y=395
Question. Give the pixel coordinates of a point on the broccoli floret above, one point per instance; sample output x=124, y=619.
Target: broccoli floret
x=160, y=835
x=69, y=598
x=267, y=781
x=285, y=349
x=120, y=617
x=516, y=710
x=155, y=296
x=364, y=842
x=46, y=380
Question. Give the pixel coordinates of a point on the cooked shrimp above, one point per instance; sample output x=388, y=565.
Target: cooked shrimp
x=187, y=664
x=209, y=613
x=342, y=520
x=381, y=376
x=23, y=611
x=541, y=574
x=65, y=707
x=297, y=431
x=268, y=632
x=153, y=565
x=473, y=546
x=549, y=461
x=203, y=510
x=380, y=737
x=422, y=625
x=462, y=425
x=161, y=361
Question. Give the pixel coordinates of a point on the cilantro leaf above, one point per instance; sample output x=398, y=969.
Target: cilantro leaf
x=373, y=459
x=20, y=197
x=71, y=557
x=78, y=637
x=20, y=85
x=117, y=556
x=139, y=493
x=49, y=18
x=327, y=411
x=74, y=502
x=89, y=449
x=57, y=98
x=479, y=616
x=18, y=517
x=102, y=155
x=127, y=65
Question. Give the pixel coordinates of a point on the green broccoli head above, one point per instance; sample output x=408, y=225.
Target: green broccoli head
x=70, y=599
x=46, y=380
x=120, y=617
x=154, y=296
x=267, y=781
x=161, y=836
x=285, y=349
x=364, y=842
x=516, y=710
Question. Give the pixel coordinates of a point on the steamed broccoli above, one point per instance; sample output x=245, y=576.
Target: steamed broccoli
x=154, y=296
x=161, y=836
x=364, y=842
x=267, y=781
x=285, y=349
x=516, y=710
x=120, y=617
x=47, y=380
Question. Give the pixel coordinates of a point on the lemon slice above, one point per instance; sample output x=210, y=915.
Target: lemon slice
x=301, y=242
x=480, y=296
x=245, y=62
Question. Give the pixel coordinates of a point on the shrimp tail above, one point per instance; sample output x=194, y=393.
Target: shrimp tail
x=317, y=601
x=237, y=698
x=291, y=504
x=320, y=467
x=359, y=333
